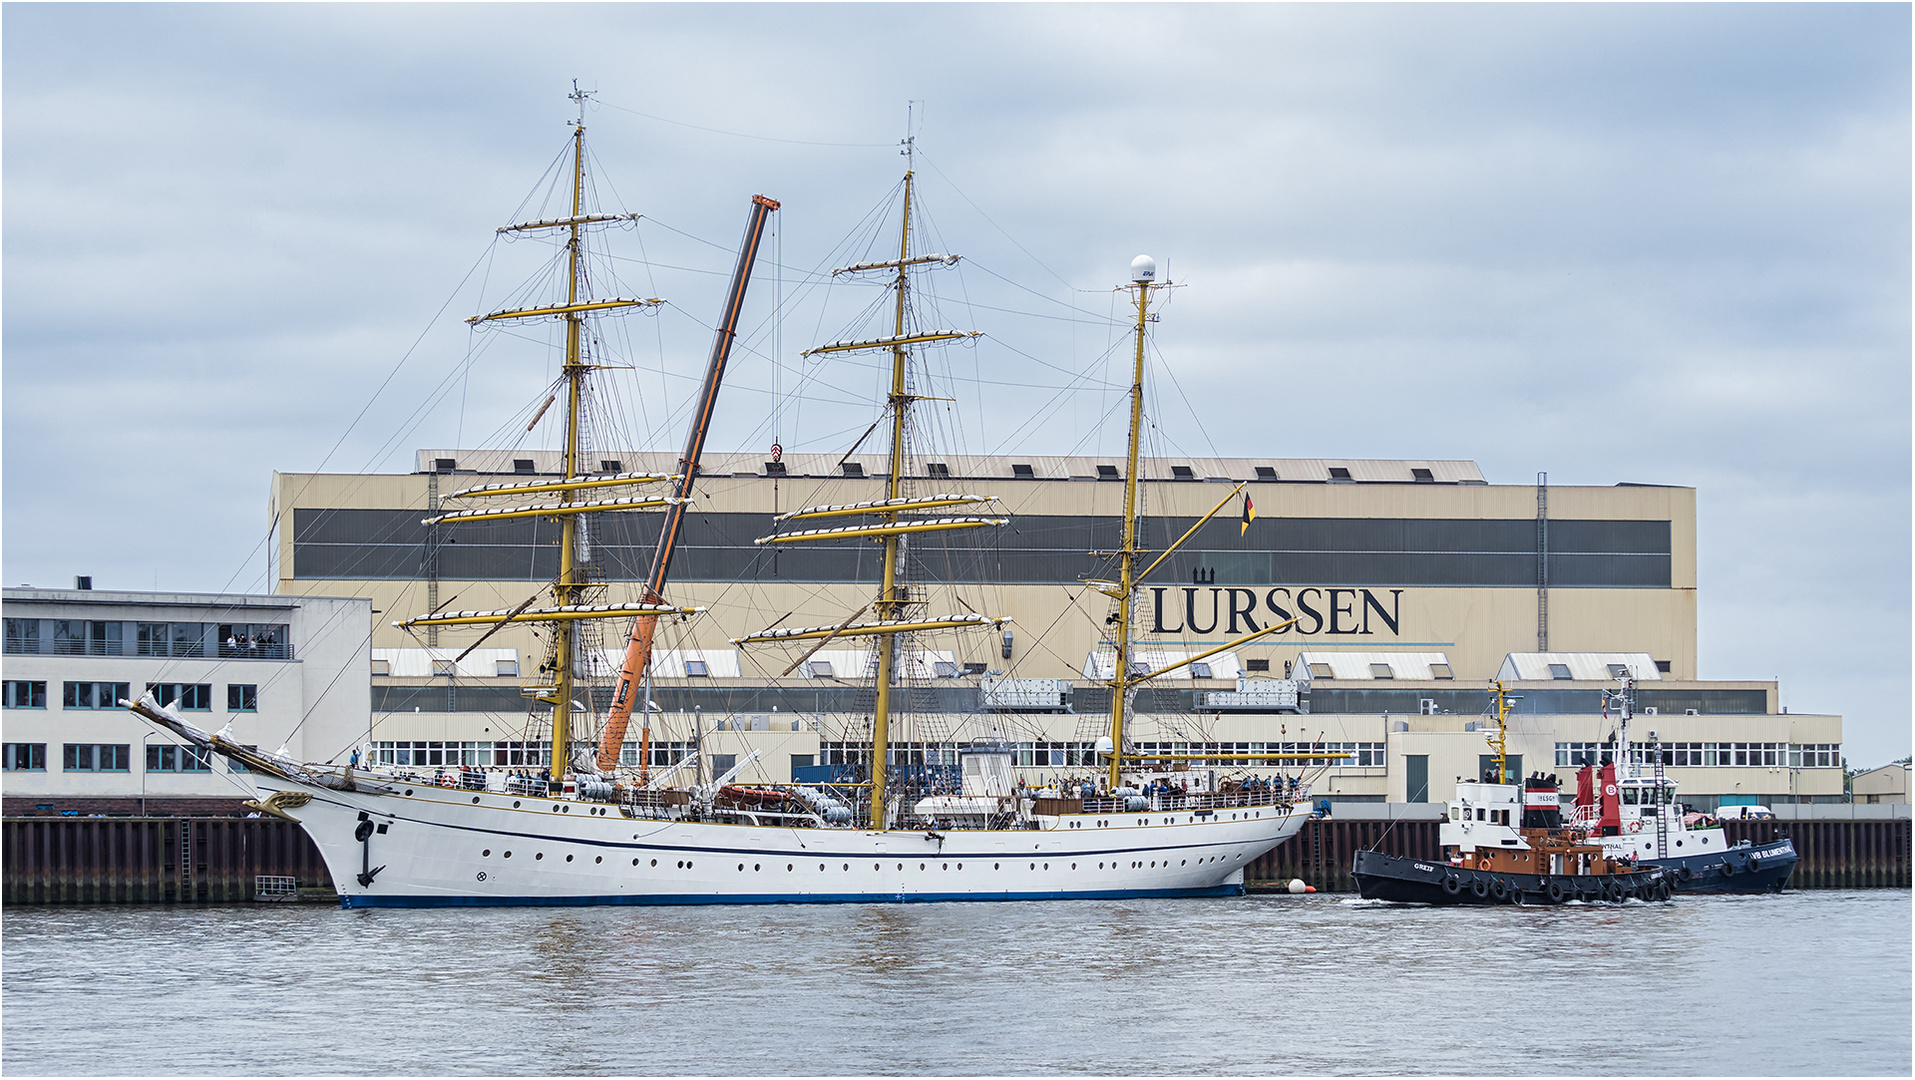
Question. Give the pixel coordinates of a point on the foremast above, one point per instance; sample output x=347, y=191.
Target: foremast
x=574, y=489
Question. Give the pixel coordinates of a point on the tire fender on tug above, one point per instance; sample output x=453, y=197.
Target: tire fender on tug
x=1556, y=892
x=1452, y=884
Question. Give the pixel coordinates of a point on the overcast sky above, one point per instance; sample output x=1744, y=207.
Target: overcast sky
x=1645, y=243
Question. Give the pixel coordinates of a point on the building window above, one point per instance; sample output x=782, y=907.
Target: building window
x=853, y=469
x=382, y=667
x=93, y=695
x=938, y=470
x=1441, y=671
x=253, y=641
x=1022, y=472
x=697, y=669
x=1321, y=671
x=819, y=669
x=611, y=465
x=1182, y=472
x=95, y=757
x=446, y=668
x=242, y=697
x=167, y=758
x=23, y=636
x=506, y=669
x=1200, y=670
x=84, y=637
x=1423, y=476
x=1560, y=671
x=24, y=757
x=25, y=694
x=1381, y=671
x=1619, y=671
x=1108, y=472
x=1259, y=665
x=524, y=465
x=1340, y=475
x=1662, y=666
x=192, y=697
x=1266, y=472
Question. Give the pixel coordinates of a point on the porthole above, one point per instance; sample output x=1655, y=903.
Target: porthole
x=408, y=793
x=508, y=854
x=994, y=866
x=874, y=866
x=688, y=864
x=1073, y=866
x=1183, y=862
x=1033, y=866
x=741, y=868
x=847, y=866
x=960, y=866
x=635, y=862
x=555, y=808
x=681, y=864
x=787, y=868
x=515, y=806
x=755, y=867
x=486, y=853
x=947, y=866
x=900, y=866
x=920, y=866
x=598, y=859
x=475, y=800
x=1047, y=866
x=1100, y=866
x=568, y=858
x=539, y=856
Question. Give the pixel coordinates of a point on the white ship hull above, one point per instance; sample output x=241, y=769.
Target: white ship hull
x=433, y=846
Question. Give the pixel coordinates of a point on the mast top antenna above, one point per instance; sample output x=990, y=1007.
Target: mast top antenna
x=581, y=97
x=910, y=140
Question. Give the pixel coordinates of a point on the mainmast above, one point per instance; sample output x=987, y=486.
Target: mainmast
x=892, y=518
x=1143, y=273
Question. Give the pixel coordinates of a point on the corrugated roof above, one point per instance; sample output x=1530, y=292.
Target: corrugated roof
x=1357, y=665
x=1583, y=666
x=1101, y=664
x=414, y=663
x=983, y=466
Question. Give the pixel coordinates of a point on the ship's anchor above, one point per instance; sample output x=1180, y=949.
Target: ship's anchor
x=363, y=834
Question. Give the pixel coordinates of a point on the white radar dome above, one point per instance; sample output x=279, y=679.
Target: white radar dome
x=1104, y=746
x=1143, y=268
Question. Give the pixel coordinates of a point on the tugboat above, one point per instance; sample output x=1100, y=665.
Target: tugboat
x=1508, y=844
x=1636, y=816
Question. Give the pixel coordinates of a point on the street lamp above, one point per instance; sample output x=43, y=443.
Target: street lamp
x=143, y=739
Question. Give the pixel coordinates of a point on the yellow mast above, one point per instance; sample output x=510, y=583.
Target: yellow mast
x=888, y=607
x=1499, y=741
x=566, y=591
x=1143, y=270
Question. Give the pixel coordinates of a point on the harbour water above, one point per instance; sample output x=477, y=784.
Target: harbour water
x=1806, y=983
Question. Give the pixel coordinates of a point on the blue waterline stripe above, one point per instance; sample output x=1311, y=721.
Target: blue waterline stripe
x=682, y=899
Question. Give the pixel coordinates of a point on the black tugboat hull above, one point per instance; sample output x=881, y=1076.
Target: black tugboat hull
x=1419, y=881
x=1761, y=868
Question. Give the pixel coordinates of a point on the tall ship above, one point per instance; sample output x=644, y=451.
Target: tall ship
x=588, y=830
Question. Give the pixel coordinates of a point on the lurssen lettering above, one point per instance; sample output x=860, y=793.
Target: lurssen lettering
x=1195, y=609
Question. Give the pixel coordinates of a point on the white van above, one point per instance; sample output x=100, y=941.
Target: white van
x=1743, y=813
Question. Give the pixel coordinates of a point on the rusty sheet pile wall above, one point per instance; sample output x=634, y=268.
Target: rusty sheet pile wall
x=151, y=860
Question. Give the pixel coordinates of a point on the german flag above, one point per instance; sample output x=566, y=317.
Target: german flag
x=1249, y=514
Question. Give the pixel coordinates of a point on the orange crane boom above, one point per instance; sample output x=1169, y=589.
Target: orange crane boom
x=638, y=651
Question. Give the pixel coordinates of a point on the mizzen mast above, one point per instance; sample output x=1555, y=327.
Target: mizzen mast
x=1143, y=275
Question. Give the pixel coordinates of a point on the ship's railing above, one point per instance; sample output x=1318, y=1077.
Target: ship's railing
x=1179, y=801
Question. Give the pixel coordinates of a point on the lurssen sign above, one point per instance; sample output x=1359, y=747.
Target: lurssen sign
x=1196, y=609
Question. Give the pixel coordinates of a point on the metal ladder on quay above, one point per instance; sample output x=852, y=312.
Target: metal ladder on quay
x=1662, y=805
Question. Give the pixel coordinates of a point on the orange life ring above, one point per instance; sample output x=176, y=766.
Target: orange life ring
x=1635, y=826
x=445, y=780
